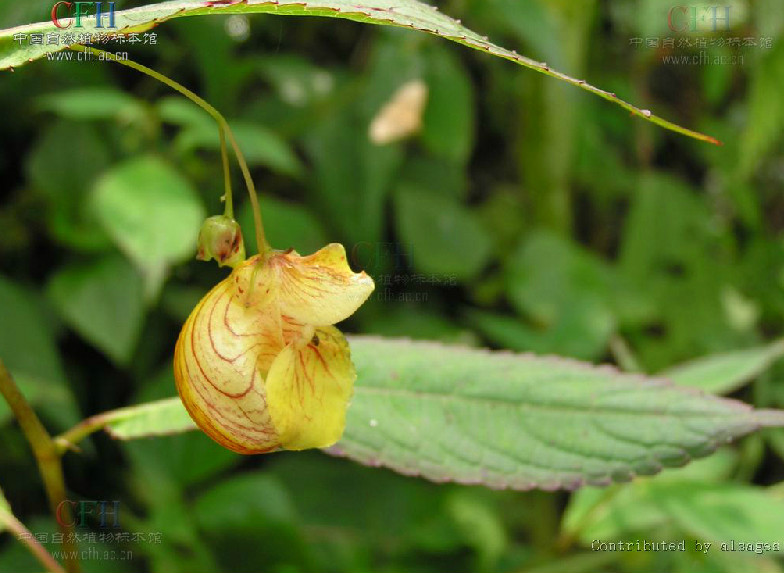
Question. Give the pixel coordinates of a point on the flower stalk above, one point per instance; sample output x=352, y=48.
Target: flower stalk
x=47, y=454
x=39, y=551
x=224, y=131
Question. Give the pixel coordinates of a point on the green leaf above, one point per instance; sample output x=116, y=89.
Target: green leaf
x=158, y=418
x=566, y=290
x=403, y=13
x=267, y=512
x=28, y=349
x=724, y=373
x=718, y=512
x=448, y=122
x=437, y=175
x=607, y=513
x=183, y=112
x=93, y=103
x=259, y=145
x=52, y=172
x=582, y=334
x=351, y=176
x=667, y=225
x=679, y=262
x=416, y=322
x=443, y=236
x=152, y=213
x=104, y=302
x=547, y=272
x=765, y=118
x=504, y=420
x=265, y=496
x=723, y=512
x=518, y=421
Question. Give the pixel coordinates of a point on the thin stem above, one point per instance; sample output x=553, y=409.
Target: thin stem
x=48, y=458
x=623, y=354
x=229, y=210
x=261, y=240
x=68, y=440
x=39, y=552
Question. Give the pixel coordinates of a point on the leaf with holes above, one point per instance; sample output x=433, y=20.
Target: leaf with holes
x=17, y=50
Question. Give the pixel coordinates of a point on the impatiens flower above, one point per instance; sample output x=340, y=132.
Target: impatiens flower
x=259, y=365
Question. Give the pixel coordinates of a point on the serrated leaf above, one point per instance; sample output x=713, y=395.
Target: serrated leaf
x=724, y=373
x=519, y=421
x=104, y=302
x=152, y=213
x=403, y=13
x=505, y=420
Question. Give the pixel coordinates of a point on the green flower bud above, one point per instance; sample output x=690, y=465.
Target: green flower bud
x=220, y=238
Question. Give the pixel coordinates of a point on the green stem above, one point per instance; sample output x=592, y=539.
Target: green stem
x=623, y=354
x=261, y=240
x=229, y=211
x=23, y=534
x=68, y=440
x=48, y=458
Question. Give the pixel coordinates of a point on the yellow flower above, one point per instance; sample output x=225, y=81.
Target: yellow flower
x=259, y=365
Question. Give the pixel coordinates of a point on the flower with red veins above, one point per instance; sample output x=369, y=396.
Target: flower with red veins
x=259, y=365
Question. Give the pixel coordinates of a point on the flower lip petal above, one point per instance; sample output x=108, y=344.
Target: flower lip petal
x=308, y=389
x=319, y=289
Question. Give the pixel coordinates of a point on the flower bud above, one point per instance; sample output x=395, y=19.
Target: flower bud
x=220, y=238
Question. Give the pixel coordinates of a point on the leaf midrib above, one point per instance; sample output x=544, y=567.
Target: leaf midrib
x=555, y=408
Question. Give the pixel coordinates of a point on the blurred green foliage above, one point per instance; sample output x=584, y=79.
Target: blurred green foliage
x=526, y=215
